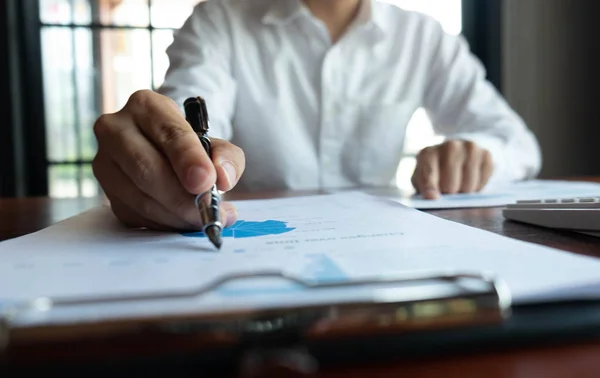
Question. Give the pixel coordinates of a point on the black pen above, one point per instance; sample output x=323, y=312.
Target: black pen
x=208, y=202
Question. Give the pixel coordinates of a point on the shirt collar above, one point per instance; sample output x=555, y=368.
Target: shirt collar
x=279, y=12
x=371, y=15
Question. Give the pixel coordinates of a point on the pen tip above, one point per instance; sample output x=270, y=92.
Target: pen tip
x=217, y=242
x=214, y=235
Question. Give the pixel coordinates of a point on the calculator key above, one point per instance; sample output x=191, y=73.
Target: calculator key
x=529, y=201
x=551, y=201
x=568, y=200
x=588, y=200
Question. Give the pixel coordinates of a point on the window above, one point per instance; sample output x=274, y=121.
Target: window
x=95, y=53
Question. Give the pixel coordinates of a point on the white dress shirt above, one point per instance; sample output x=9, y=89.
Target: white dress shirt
x=310, y=114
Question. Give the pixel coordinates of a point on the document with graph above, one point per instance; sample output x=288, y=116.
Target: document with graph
x=333, y=237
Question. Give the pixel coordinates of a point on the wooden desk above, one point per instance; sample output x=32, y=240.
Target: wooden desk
x=22, y=216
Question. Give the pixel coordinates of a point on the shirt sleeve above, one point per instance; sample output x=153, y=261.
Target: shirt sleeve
x=200, y=65
x=463, y=105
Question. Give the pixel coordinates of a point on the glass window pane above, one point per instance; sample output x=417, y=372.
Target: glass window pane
x=62, y=181
x=171, y=14
x=68, y=181
x=161, y=39
x=59, y=93
x=65, y=11
x=125, y=66
x=69, y=92
x=83, y=12
x=86, y=91
x=124, y=12
x=55, y=11
x=89, y=184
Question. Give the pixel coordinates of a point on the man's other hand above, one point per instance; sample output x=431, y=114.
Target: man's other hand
x=452, y=167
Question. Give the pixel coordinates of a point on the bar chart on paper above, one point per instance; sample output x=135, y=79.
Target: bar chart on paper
x=246, y=229
x=316, y=267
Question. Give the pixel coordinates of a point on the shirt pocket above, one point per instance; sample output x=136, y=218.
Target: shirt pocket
x=376, y=140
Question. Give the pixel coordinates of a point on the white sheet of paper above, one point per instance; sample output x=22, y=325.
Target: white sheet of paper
x=500, y=195
x=331, y=237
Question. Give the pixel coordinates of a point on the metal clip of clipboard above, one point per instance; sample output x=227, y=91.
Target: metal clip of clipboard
x=477, y=299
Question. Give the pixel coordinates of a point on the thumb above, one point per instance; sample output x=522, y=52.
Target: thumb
x=229, y=161
x=427, y=174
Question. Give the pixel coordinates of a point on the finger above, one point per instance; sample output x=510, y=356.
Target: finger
x=145, y=166
x=471, y=175
x=166, y=127
x=229, y=161
x=130, y=218
x=117, y=185
x=427, y=173
x=230, y=213
x=452, y=158
x=487, y=168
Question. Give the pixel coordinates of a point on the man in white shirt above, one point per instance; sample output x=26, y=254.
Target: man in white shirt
x=307, y=94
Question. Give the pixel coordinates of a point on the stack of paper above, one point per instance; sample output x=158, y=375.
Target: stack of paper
x=340, y=236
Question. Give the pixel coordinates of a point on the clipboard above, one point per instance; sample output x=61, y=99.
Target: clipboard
x=388, y=326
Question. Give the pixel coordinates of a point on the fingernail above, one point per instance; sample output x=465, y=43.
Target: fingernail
x=195, y=177
x=230, y=171
x=231, y=216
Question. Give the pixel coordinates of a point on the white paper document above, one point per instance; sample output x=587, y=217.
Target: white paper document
x=342, y=236
x=499, y=195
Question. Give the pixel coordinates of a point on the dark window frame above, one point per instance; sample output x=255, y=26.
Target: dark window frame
x=7, y=146
x=23, y=141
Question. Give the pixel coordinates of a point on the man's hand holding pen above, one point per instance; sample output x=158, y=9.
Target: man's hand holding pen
x=150, y=164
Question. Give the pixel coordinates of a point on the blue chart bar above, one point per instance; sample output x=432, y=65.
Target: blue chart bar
x=246, y=229
x=319, y=268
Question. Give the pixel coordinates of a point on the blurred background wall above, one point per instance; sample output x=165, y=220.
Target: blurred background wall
x=551, y=77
